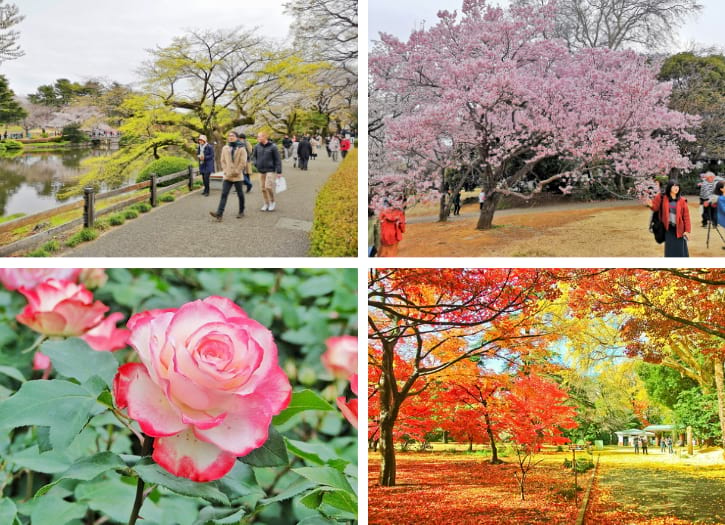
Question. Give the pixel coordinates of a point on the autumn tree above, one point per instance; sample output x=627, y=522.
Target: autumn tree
x=485, y=95
x=434, y=319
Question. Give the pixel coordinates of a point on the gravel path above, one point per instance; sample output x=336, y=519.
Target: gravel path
x=184, y=228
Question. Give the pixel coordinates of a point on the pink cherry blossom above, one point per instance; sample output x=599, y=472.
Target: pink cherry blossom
x=60, y=308
x=207, y=386
x=105, y=337
x=29, y=278
x=340, y=358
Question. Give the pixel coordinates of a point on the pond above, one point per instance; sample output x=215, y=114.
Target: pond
x=29, y=183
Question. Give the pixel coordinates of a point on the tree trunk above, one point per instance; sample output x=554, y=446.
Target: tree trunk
x=485, y=219
x=494, y=452
x=445, y=437
x=389, y=407
x=445, y=208
x=720, y=388
x=470, y=444
x=387, y=452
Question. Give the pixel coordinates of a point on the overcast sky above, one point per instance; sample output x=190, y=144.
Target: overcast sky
x=401, y=16
x=82, y=39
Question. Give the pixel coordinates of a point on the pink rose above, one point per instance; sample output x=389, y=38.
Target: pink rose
x=349, y=408
x=341, y=356
x=207, y=388
x=105, y=337
x=93, y=278
x=60, y=308
x=29, y=278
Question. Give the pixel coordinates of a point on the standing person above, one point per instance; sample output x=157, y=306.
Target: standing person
x=287, y=145
x=317, y=145
x=248, y=165
x=295, y=150
x=707, y=187
x=669, y=445
x=457, y=203
x=373, y=233
x=345, y=146
x=392, y=227
x=304, y=151
x=663, y=444
x=327, y=146
x=268, y=163
x=334, y=147
x=636, y=445
x=233, y=160
x=481, y=199
x=675, y=215
x=205, y=154
x=645, y=444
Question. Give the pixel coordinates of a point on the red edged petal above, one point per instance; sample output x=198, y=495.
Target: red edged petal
x=188, y=457
x=348, y=409
x=244, y=428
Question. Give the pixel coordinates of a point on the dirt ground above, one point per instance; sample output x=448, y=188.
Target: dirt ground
x=602, y=229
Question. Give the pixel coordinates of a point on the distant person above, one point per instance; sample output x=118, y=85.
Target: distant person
x=233, y=161
x=373, y=233
x=675, y=215
x=636, y=445
x=304, y=152
x=205, y=154
x=669, y=445
x=663, y=445
x=287, y=145
x=327, y=146
x=707, y=188
x=334, y=147
x=345, y=146
x=295, y=151
x=269, y=164
x=481, y=199
x=718, y=202
x=457, y=203
x=645, y=444
x=315, y=143
x=248, y=166
x=392, y=227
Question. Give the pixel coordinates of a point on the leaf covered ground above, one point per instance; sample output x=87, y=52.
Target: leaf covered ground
x=463, y=489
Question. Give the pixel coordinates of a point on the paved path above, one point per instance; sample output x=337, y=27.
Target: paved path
x=184, y=228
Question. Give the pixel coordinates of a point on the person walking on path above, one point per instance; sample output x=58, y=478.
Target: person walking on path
x=287, y=146
x=392, y=227
x=304, y=152
x=248, y=165
x=295, y=151
x=268, y=163
x=205, y=154
x=675, y=215
x=345, y=146
x=457, y=203
x=334, y=147
x=233, y=161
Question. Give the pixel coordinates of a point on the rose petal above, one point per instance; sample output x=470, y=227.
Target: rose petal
x=229, y=308
x=145, y=402
x=348, y=409
x=244, y=429
x=186, y=456
x=105, y=337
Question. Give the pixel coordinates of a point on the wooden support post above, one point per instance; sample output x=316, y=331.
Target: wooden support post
x=690, y=451
x=154, y=195
x=89, y=203
x=191, y=178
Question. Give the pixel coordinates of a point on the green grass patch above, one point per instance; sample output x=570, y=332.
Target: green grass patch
x=130, y=214
x=85, y=235
x=142, y=207
x=167, y=197
x=116, y=219
x=11, y=217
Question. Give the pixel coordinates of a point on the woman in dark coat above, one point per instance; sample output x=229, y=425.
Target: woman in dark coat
x=675, y=215
x=205, y=153
x=304, y=151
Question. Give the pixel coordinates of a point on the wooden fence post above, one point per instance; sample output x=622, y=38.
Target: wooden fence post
x=89, y=203
x=191, y=178
x=154, y=196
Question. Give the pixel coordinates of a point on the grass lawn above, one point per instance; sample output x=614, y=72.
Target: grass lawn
x=576, y=230
x=446, y=488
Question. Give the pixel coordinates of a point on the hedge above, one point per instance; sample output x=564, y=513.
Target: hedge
x=164, y=166
x=334, y=227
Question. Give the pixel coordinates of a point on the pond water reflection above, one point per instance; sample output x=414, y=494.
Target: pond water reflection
x=29, y=183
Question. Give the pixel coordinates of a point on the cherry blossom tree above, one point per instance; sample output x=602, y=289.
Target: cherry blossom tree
x=482, y=93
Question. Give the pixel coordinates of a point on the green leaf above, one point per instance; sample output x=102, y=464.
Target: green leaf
x=343, y=500
x=272, y=454
x=152, y=473
x=298, y=449
x=298, y=487
x=325, y=476
x=50, y=462
x=300, y=402
x=219, y=516
x=54, y=510
x=314, y=520
x=312, y=500
x=316, y=286
x=13, y=372
x=63, y=406
x=86, y=469
x=8, y=511
x=73, y=358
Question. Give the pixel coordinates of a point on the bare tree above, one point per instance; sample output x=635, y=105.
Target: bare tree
x=9, y=47
x=328, y=28
x=619, y=24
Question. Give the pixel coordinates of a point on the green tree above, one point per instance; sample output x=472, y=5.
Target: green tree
x=9, y=17
x=73, y=133
x=663, y=384
x=700, y=411
x=10, y=109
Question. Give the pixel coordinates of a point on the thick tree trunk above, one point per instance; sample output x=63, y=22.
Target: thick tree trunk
x=485, y=219
x=720, y=388
x=389, y=407
x=387, y=452
x=494, y=451
x=470, y=444
x=444, y=208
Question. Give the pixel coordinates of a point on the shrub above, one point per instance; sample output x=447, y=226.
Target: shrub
x=130, y=214
x=85, y=235
x=164, y=166
x=116, y=220
x=11, y=145
x=73, y=134
x=334, y=227
x=167, y=197
x=142, y=207
x=51, y=246
x=582, y=464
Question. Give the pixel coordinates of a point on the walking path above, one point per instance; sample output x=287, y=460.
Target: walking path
x=184, y=228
